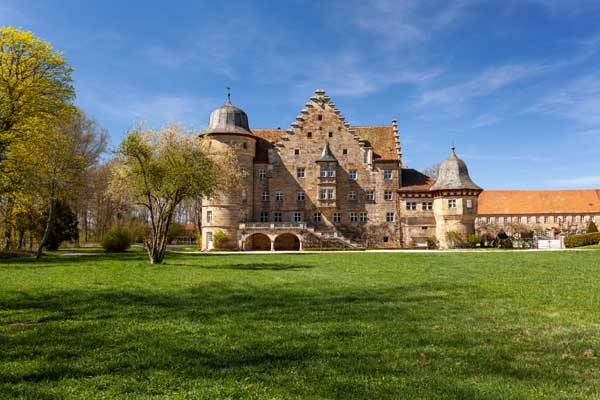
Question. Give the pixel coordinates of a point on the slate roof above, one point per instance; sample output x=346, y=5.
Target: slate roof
x=415, y=180
x=326, y=154
x=527, y=202
x=453, y=174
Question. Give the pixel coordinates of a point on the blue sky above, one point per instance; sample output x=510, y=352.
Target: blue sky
x=514, y=84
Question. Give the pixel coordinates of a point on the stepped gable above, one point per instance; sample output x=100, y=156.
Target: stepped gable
x=528, y=202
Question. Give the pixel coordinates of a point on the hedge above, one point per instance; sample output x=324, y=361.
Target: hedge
x=582, y=240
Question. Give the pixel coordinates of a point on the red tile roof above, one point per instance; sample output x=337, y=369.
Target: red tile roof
x=382, y=138
x=513, y=202
x=415, y=180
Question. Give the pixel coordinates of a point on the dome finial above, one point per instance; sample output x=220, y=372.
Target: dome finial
x=228, y=95
x=453, y=148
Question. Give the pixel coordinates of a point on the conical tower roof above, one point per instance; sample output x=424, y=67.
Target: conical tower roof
x=326, y=154
x=454, y=174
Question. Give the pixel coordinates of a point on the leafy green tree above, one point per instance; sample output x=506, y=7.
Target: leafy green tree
x=158, y=169
x=63, y=227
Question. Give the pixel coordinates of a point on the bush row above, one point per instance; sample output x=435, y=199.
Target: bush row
x=582, y=240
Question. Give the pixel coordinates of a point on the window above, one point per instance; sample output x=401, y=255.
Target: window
x=308, y=134
x=300, y=196
x=337, y=218
x=546, y=219
x=296, y=152
x=386, y=239
x=245, y=145
x=353, y=217
x=469, y=203
x=411, y=206
x=209, y=238
x=262, y=175
x=300, y=172
x=277, y=216
x=555, y=219
x=279, y=196
x=208, y=216
x=353, y=175
x=487, y=219
x=323, y=194
x=264, y=216
x=370, y=195
x=427, y=206
x=265, y=196
x=330, y=171
x=506, y=220
x=520, y=220
x=330, y=194
x=323, y=171
x=363, y=217
x=452, y=203
x=244, y=196
x=390, y=217
x=593, y=218
x=352, y=195
x=388, y=196
x=528, y=219
x=330, y=134
x=317, y=218
x=387, y=174
x=345, y=151
x=320, y=117
x=297, y=216
x=496, y=220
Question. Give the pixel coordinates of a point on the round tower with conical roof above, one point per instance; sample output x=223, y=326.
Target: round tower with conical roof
x=228, y=129
x=455, y=201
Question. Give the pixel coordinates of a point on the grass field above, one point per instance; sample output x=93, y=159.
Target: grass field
x=348, y=326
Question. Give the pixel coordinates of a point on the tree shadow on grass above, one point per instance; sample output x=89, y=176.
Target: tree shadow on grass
x=322, y=341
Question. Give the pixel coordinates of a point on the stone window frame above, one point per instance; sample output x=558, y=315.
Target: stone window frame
x=296, y=152
x=264, y=216
x=370, y=195
x=317, y=218
x=411, y=206
x=297, y=216
x=386, y=239
x=300, y=172
x=427, y=206
x=330, y=134
x=309, y=135
x=390, y=217
x=354, y=217
x=363, y=217
x=337, y=217
x=330, y=194
x=300, y=196
x=469, y=204
x=209, y=216
x=452, y=204
x=330, y=171
x=387, y=175
x=323, y=171
x=262, y=174
x=322, y=194
x=320, y=117
x=265, y=196
x=277, y=216
x=353, y=174
x=352, y=195
x=279, y=196
x=388, y=195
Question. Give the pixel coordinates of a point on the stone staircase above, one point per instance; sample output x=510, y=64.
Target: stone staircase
x=327, y=239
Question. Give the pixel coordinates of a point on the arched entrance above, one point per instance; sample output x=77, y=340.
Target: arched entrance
x=257, y=241
x=287, y=241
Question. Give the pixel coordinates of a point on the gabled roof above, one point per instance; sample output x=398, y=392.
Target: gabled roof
x=526, y=202
x=415, y=180
x=383, y=140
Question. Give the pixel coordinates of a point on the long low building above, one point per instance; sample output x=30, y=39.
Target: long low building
x=549, y=211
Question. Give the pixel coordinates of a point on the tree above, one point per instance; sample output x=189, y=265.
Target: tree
x=35, y=85
x=53, y=164
x=592, y=228
x=158, y=169
x=432, y=170
x=63, y=226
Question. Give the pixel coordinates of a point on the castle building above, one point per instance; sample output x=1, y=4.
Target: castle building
x=326, y=183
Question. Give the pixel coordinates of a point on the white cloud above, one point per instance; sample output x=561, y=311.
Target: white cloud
x=578, y=100
x=484, y=120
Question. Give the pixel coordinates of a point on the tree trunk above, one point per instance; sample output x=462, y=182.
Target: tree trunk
x=21, y=237
x=7, y=226
x=46, y=230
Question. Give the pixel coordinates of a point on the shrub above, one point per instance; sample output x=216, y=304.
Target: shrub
x=506, y=243
x=582, y=240
x=199, y=239
x=432, y=243
x=220, y=240
x=475, y=240
x=455, y=240
x=116, y=240
x=592, y=228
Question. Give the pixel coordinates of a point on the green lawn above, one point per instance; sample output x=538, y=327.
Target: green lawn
x=495, y=325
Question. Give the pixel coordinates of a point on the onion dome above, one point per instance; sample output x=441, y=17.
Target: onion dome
x=228, y=119
x=326, y=154
x=453, y=174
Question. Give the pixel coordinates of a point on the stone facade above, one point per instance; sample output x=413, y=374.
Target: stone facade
x=324, y=183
